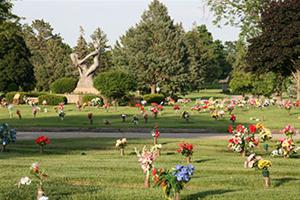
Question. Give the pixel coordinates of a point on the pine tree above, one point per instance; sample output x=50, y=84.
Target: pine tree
x=155, y=51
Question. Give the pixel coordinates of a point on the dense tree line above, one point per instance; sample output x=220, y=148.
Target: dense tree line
x=156, y=51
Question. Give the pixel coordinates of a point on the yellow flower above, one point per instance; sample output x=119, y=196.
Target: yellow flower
x=299, y=117
x=264, y=164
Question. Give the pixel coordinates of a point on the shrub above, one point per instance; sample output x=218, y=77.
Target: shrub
x=52, y=99
x=114, y=84
x=88, y=98
x=63, y=85
x=154, y=98
x=10, y=96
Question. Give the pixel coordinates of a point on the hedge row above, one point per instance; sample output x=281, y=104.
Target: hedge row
x=154, y=98
x=63, y=85
x=52, y=99
x=10, y=95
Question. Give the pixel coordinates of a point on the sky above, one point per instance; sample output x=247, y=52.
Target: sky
x=114, y=17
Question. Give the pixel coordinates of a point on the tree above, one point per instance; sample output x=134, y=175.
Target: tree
x=15, y=67
x=50, y=56
x=245, y=14
x=114, y=84
x=277, y=48
x=155, y=51
x=5, y=11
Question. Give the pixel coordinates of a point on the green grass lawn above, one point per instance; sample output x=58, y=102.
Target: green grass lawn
x=103, y=174
x=274, y=118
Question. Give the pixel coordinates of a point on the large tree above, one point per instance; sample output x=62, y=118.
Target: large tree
x=277, y=48
x=15, y=68
x=155, y=51
x=50, y=55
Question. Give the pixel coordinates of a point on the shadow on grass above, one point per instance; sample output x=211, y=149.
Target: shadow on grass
x=203, y=160
x=280, y=181
x=200, y=195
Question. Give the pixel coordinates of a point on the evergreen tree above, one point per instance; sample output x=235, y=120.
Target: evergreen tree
x=50, y=56
x=155, y=51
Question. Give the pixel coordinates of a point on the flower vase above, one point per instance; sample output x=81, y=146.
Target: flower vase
x=40, y=193
x=147, y=180
x=3, y=148
x=267, y=181
x=188, y=159
x=177, y=196
x=266, y=147
x=122, y=151
x=91, y=121
x=243, y=153
x=155, y=140
x=158, y=152
x=41, y=149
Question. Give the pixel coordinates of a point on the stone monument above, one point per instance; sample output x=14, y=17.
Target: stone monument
x=85, y=83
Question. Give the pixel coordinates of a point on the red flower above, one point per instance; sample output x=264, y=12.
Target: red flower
x=138, y=105
x=230, y=129
x=154, y=104
x=176, y=107
x=160, y=107
x=42, y=140
x=240, y=128
x=233, y=118
x=252, y=128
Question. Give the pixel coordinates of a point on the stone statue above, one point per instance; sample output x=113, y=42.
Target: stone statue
x=85, y=83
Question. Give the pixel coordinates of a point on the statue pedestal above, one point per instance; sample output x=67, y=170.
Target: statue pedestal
x=85, y=86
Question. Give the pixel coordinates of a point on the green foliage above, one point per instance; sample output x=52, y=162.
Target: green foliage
x=63, y=85
x=241, y=83
x=154, y=98
x=10, y=95
x=155, y=52
x=242, y=13
x=16, y=70
x=5, y=11
x=50, y=56
x=52, y=99
x=264, y=84
x=114, y=84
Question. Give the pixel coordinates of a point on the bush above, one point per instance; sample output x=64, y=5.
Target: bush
x=52, y=99
x=88, y=98
x=10, y=95
x=154, y=98
x=115, y=84
x=63, y=85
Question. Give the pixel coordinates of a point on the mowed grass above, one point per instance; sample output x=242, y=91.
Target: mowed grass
x=273, y=117
x=102, y=174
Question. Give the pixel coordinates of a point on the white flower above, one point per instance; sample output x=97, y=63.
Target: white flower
x=44, y=198
x=257, y=120
x=25, y=181
x=124, y=141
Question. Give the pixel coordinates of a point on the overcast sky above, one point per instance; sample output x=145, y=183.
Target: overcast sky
x=114, y=17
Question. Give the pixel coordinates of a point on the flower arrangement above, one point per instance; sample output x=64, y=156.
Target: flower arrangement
x=135, y=120
x=42, y=141
x=287, y=105
x=186, y=116
x=121, y=144
x=154, y=111
x=61, y=114
x=232, y=118
x=285, y=147
x=146, y=160
x=106, y=107
x=145, y=116
x=155, y=134
x=176, y=108
x=18, y=112
x=243, y=139
x=90, y=117
x=265, y=135
x=186, y=150
x=96, y=102
x=123, y=117
x=230, y=108
x=7, y=136
x=257, y=162
x=289, y=131
x=39, y=176
x=173, y=181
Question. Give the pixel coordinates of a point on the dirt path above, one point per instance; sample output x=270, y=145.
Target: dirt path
x=79, y=134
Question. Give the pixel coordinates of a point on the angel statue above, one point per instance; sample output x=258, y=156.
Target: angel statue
x=85, y=83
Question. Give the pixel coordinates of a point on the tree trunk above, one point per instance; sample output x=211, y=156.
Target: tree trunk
x=298, y=83
x=153, y=89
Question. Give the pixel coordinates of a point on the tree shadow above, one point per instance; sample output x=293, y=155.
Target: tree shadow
x=280, y=181
x=200, y=195
x=204, y=160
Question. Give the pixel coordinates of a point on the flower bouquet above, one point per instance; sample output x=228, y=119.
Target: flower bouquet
x=135, y=120
x=285, y=148
x=287, y=105
x=7, y=135
x=232, y=118
x=90, y=117
x=173, y=181
x=155, y=134
x=61, y=114
x=243, y=139
x=176, y=108
x=265, y=135
x=39, y=176
x=42, y=141
x=121, y=144
x=123, y=117
x=289, y=131
x=146, y=160
x=186, y=116
x=154, y=111
x=34, y=110
x=257, y=162
x=106, y=107
x=186, y=150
